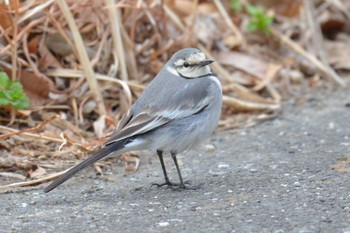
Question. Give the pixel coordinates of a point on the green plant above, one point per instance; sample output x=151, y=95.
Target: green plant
x=236, y=5
x=259, y=19
x=11, y=93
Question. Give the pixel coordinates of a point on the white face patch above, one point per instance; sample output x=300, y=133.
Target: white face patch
x=172, y=70
x=196, y=57
x=193, y=69
x=179, y=62
x=193, y=72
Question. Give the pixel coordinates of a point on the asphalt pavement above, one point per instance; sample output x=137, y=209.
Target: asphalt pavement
x=289, y=174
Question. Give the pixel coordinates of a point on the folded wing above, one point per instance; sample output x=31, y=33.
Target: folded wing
x=150, y=119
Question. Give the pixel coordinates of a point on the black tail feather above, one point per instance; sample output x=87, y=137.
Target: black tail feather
x=98, y=156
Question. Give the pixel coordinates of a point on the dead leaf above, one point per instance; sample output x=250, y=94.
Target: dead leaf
x=289, y=8
x=244, y=62
x=13, y=175
x=33, y=45
x=5, y=21
x=132, y=162
x=205, y=28
x=185, y=7
x=99, y=126
x=231, y=41
x=58, y=44
x=339, y=53
x=271, y=73
x=342, y=165
x=39, y=171
x=36, y=88
x=47, y=60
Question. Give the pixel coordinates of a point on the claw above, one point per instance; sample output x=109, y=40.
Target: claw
x=178, y=187
x=168, y=183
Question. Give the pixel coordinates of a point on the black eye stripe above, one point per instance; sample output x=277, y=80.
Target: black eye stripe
x=186, y=64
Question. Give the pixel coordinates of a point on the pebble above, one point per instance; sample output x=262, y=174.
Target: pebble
x=223, y=166
x=163, y=224
x=210, y=148
x=24, y=205
x=331, y=125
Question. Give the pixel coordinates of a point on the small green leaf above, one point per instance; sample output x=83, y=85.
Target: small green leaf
x=11, y=93
x=21, y=103
x=4, y=102
x=4, y=80
x=16, y=90
x=253, y=10
x=252, y=26
x=236, y=5
x=259, y=19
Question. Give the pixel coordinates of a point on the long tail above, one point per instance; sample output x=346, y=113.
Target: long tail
x=114, y=147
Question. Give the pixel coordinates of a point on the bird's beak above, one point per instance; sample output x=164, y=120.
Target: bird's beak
x=205, y=62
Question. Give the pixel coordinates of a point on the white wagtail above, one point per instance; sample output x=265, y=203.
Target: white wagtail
x=178, y=110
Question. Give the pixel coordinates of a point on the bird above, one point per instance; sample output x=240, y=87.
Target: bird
x=177, y=111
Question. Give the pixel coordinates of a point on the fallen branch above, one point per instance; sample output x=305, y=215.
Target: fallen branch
x=83, y=56
x=33, y=182
x=299, y=50
x=36, y=136
x=245, y=106
x=36, y=128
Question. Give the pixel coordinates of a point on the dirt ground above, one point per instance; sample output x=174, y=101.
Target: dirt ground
x=290, y=174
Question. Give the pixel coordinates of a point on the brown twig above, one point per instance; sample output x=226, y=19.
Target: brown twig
x=298, y=49
x=33, y=182
x=36, y=128
x=69, y=73
x=230, y=24
x=83, y=56
x=114, y=16
x=37, y=136
x=316, y=34
x=245, y=106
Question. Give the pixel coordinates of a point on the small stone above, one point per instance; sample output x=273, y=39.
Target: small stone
x=89, y=107
x=243, y=133
x=297, y=184
x=163, y=224
x=210, y=148
x=223, y=166
x=24, y=205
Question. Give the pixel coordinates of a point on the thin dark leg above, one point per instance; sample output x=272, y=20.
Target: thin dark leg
x=182, y=185
x=167, y=181
x=160, y=155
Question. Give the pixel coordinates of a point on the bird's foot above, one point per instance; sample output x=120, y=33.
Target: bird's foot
x=167, y=183
x=187, y=185
x=178, y=187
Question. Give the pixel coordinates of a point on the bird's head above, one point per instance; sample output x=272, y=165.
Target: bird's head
x=190, y=63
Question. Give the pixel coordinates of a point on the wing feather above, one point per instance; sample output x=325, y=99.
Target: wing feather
x=151, y=118
x=140, y=124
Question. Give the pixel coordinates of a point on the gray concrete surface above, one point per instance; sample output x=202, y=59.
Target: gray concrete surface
x=289, y=174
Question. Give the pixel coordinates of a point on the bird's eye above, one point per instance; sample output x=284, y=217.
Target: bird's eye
x=186, y=64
